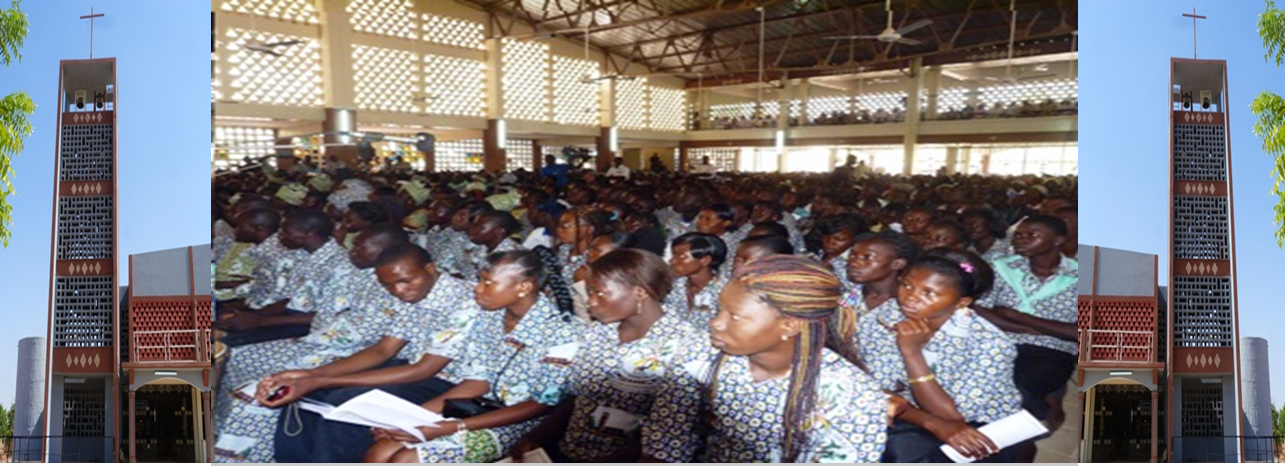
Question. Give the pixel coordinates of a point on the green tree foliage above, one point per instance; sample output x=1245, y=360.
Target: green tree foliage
x=15, y=109
x=1270, y=110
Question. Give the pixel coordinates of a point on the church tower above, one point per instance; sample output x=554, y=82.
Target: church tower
x=1204, y=357
x=83, y=354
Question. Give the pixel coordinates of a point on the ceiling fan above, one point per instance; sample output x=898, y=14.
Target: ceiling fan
x=890, y=35
x=1008, y=66
x=270, y=48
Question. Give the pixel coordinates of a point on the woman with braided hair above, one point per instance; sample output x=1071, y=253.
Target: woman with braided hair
x=784, y=384
x=519, y=354
x=953, y=366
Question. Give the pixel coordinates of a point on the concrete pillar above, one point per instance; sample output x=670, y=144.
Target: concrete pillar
x=537, y=156
x=933, y=83
x=336, y=52
x=1084, y=436
x=912, y=113
x=802, y=93
x=133, y=454
x=683, y=159
x=492, y=154
x=603, y=143
x=1155, y=422
x=952, y=159
x=207, y=414
x=340, y=120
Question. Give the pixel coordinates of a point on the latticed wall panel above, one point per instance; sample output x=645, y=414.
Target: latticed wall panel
x=85, y=227
x=667, y=109
x=889, y=101
x=452, y=31
x=826, y=105
x=1199, y=153
x=525, y=80
x=385, y=79
x=1086, y=312
x=1126, y=316
x=383, y=17
x=163, y=316
x=1200, y=228
x=83, y=410
x=724, y=159
x=300, y=11
x=1033, y=91
x=82, y=312
x=458, y=155
x=242, y=142
x=293, y=78
x=1202, y=411
x=575, y=102
x=85, y=153
x=454, y=86
x=1202, y=312
x=631, y=104
x=518, y=154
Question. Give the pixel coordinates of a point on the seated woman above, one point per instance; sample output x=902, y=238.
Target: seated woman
x=837, y=236
x=718, y=219
x=518, y=355
x=987, y=232
x=757, y=247
x=636, y=344
x=784, y=384
x=942, y=358
x=696, y=261
x=874, y=265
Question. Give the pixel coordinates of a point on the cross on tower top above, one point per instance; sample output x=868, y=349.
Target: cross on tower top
x=1193, y=17
x=91, y=17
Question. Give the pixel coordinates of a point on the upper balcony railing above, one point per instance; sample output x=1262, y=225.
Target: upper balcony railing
x=170, y=346
x=1125, y=346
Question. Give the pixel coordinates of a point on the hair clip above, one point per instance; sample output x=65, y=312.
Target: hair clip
x=966, y=266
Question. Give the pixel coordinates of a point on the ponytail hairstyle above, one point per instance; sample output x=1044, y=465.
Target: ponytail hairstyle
x=807, y=290
x=541, y=266
x=971, y=274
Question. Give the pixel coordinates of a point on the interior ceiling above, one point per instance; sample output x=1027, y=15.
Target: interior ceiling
x=719, y=39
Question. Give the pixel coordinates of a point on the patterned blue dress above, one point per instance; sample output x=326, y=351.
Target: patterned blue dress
x=972, y=359
x=615, y=389
x=1060, y=306
x=704, y=304
x=530, y=363
x=848, y=425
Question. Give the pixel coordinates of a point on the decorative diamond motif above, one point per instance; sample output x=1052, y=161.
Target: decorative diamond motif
x=98, y=188
x=1211, y=188
x=96, y=360
x=98, y=268
x=1217, y=360
x=1215, y=268
x=1187, y=187
x=75, y=188
x=1202, y=268
x=1188, y=360
x=68, y=360
x=1188, y=268
x=1202, y=360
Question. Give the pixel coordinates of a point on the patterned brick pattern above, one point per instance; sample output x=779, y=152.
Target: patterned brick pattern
x=162, y=316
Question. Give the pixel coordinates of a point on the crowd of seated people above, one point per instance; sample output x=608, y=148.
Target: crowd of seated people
x=1022, y=109
x=657, y=317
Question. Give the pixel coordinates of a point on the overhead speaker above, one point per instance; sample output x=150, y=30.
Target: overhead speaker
x=425, y=142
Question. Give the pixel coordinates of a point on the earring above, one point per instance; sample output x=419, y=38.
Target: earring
x=785, y=337
x=638, y=310
x=521, y=294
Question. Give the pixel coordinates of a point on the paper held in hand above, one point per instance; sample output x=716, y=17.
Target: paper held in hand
x=377, y=408
x=1005, y=432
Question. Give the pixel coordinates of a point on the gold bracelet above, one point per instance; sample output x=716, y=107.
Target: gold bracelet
x=923, y=379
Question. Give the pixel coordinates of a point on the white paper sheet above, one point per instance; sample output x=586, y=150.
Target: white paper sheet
x=377, y=408
x=1005, y=432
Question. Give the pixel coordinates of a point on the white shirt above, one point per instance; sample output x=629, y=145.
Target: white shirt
x=619, y=171
x=705, y=169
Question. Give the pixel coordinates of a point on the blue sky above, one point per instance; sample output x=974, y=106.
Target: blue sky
x=1125, y=50
x=164, y=132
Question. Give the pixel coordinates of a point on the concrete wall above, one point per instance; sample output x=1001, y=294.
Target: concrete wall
x=1125, y=273
x=162, y=273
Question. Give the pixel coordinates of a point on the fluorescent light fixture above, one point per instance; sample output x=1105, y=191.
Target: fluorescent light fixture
x=501, y=133
x=1121, y=372
x=1211, y=379
x=166, y=373
x=780, y=140
x=74, y=380
x=614, y=139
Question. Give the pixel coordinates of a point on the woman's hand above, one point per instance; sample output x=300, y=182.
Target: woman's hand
x=395, y=435
x=896, y=406
x=291, y=390
x=964, y=438
x=913, y=334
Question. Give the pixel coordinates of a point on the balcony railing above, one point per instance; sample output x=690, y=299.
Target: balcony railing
x=1109, y=345
x=174, y=346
